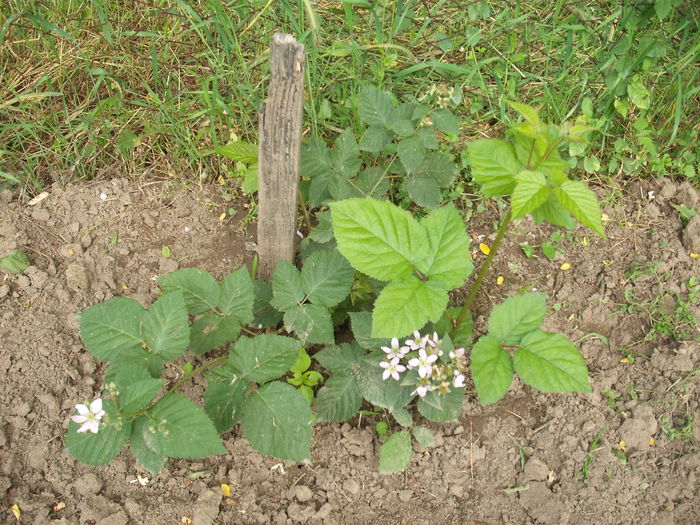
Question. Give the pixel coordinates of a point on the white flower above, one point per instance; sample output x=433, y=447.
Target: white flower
x=422, y=390
x=458, y=381
x=392, y=368
x=423, y=362
x=417, y=341
x=458, y=352
x=89, y=417
x=395, y=351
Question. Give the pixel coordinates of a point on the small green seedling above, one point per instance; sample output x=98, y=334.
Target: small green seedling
x=303, y=378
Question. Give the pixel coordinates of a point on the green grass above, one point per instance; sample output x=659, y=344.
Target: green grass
x=150, y=88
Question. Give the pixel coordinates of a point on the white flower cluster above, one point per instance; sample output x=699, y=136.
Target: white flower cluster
x=426, y=355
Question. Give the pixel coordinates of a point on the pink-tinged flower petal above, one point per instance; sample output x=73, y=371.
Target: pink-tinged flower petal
x=96, y=406
x=458, y=381
x=92, y=426
x=83, y=410
x=386, y=374
x=79, y=419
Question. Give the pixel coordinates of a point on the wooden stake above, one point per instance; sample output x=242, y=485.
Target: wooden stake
x=280, y=143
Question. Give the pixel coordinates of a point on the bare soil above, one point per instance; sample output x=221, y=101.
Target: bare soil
x=626, y=454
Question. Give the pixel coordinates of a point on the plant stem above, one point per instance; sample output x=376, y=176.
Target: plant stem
x=217, y=361
x=482, y=273
x=304, y=212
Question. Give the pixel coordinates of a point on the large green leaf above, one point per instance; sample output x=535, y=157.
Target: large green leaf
x=345, y=155
x=436, y=172
x=442, y=407
x=372, y=182
x=199, y=288
x=287, y=290
x=411, y=152
x=494, y=166
x=405, y=306
x=396, y=452
x=551, y=363
x=139, y=394
x=376, y=107
x=311, y=323
x=449, y=261
x=165, y=328
x=212, y=331
x=326, y=278
x=111, y=327
x=339, y=399
x=180, y=429
x=445, y=121
x=241, y=151
x=237, y=296
x=140, y=443
x=277, y=421
x=131, y=365
x=531, y=191
x=361, y=323
x=492, y=369
x=517, y=316
x=378, y=238
x=264, y=314
x=264, y=357
x=582, y=203
x=342, y=359
x=553, y=212
x=100, y=448
x=225, y=396
x=389, y=394
x=375, y=139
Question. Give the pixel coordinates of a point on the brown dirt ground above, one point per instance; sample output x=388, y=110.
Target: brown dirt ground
x=519, y=461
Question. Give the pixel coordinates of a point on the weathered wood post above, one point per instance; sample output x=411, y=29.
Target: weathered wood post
x=280, y=143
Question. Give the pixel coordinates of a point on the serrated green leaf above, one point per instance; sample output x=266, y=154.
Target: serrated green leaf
x=403, y=417
x=277, y=421
x=237, y=296
x=449, y=262
x=553, y=212
x=663, y=8
x=424, y=436
x=131, y=365
x=180, y=429
x=402, y=127
x=264, y=357
x=212, y=331
x=326, y=278
x=378, y=238
x=339, y=399
x=15, y=263
x=361, y=323
x=372, y=182
x=263, y=312
x=527, y=112
x=428, y=138
x=345, y=358
x=407, y=305
x=396, y=452
x=111, y=327
x=375, y=139
x=251, y=178
x=199, y=288
x=302, y=362
x=315, y=159
x=345, y=155
x=411, y=153
x=376, y=107
x=148, y=458
x=551, y=363
x=517, y=316
x=139, y=394
x=494, y=166
x=582, y=203
x=240, y=151
x=310, y=322
x=389, y=394
x=165, y=326
x=445, y=121
x=287, y=290
x=442, y=407
x=531, y=191
x=225, y=397
x=492, y=369
x=463, y=336
x=100, y=448
x=323, y=231
x=437, y=171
